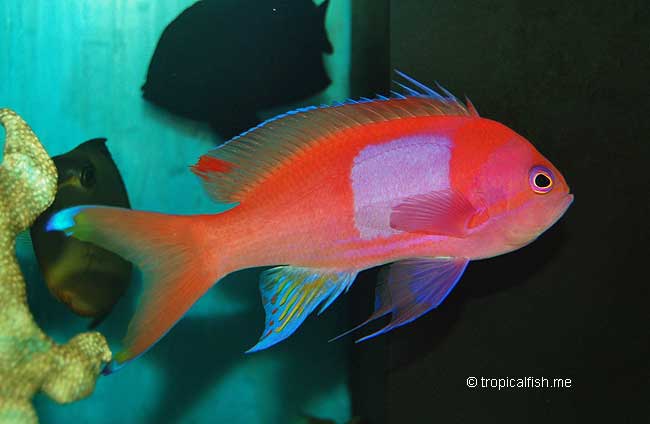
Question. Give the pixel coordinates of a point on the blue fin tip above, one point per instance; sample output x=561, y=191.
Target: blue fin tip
x=63, y=220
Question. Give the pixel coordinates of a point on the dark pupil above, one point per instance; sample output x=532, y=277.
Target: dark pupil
x=88, y=176
x=542, y=181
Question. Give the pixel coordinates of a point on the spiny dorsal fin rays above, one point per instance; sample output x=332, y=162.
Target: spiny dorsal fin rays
x=232, y=170
x=470, y=107
x=428, y=92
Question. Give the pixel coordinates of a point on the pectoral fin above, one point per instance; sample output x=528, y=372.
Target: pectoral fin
x=412, y=288
x=444, y=212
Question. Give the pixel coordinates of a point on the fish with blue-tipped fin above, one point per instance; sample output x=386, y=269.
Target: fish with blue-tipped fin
x=419, y=181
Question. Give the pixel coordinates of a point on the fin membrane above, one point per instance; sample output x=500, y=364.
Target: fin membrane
x=444, y=212
x=411, y=288
x=168, y=254
x=290, y=294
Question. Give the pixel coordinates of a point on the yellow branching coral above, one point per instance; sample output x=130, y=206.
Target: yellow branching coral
x=30, y=361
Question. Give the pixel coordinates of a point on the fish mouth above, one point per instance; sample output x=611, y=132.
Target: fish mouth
x=565, y=202
x=518, y=240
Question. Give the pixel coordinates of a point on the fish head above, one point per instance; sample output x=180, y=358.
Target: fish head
x=523, y=192
x=77, y=175
x=88, y=175
x=78, y=168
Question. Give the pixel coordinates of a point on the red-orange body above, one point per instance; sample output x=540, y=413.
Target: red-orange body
x=303, y=214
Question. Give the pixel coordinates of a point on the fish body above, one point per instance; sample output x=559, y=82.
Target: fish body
x=342, y=197
x=420, y=182
x=278, y=58
x=87, y=278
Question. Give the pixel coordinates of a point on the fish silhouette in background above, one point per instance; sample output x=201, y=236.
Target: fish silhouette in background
x=84, y=276
x=223, y=61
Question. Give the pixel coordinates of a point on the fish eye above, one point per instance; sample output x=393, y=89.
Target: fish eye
x=88, y=176
x=540, y=179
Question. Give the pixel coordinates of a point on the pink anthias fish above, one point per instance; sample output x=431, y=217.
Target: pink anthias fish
x=419, y=181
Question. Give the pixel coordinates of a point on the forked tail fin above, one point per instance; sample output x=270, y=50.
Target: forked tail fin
x=170, y=251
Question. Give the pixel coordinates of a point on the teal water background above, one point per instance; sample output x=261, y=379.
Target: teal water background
x=73, y=70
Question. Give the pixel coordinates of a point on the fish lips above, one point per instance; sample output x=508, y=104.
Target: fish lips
x=565, y=203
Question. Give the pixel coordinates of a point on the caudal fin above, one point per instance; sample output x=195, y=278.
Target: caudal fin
x=170, y=252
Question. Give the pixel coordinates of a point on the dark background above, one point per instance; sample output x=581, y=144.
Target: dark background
x=572, y=77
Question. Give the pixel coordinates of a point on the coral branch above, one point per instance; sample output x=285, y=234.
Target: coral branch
x=30, y=361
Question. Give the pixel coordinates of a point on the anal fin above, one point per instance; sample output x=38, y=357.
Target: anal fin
x=290, y=294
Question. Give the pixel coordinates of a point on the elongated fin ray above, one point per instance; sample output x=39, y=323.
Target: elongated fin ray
x=413, y=288
x=470, y=106
x=290, y=294
x=233, y=169
x=423, y=89
x=383, y=303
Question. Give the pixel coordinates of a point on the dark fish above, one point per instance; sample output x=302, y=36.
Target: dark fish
x=222, y=61
x=87, y=278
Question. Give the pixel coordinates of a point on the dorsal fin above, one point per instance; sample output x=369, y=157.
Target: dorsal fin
x=234, y=168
